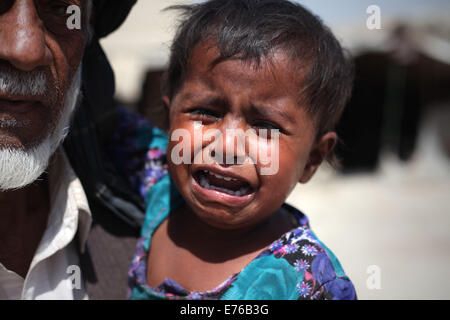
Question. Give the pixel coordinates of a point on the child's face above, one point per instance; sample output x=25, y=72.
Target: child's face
x=232, y=95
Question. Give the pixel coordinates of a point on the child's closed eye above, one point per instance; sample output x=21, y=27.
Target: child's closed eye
x=266, y=125
x=266, y=128
x=203, y=113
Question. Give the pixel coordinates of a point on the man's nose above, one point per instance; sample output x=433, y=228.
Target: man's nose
x=22, y=37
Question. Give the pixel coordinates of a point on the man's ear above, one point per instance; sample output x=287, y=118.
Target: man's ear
x=321, y=149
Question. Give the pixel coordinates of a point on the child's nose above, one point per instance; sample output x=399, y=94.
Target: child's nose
x=234, y=144
x=227, y=158
x=233, y=148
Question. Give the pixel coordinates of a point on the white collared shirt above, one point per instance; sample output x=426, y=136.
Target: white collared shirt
x=54, y=272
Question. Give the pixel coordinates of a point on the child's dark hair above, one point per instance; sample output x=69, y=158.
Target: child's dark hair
x=252, y=30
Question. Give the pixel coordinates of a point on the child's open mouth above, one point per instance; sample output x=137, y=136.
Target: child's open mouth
x=214, y=181
x=221, y=188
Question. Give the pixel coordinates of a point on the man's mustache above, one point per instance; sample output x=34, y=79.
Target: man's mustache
x=37, y=83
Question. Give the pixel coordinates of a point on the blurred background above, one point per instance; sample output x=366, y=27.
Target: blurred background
x=386, y=212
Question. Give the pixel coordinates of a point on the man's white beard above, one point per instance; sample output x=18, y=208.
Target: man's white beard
x=19, y=168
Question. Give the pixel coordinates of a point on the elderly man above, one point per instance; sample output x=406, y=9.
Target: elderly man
x=69, y=215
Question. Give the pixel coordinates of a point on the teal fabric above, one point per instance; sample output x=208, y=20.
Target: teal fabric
x=159, y=139
x=266, y=278
x=162, y=199
x=145, y=293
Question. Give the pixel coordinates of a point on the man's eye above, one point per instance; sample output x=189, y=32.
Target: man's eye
x=55, y=16
x=5, y=5
x=59, y=9
x=55, y=8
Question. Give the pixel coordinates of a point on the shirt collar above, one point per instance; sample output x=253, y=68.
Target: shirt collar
x=62, y=179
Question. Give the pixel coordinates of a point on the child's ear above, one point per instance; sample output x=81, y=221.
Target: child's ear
x=322, y=148
x=166, y=102
x=165, y=111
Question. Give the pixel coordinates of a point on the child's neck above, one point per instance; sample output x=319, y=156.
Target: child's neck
x=213, y=244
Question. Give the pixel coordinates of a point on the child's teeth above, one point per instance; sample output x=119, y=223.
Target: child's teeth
x=204, y=182
x=218, y=176
x=242, y=191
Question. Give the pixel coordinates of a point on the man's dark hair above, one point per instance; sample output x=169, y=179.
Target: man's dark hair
x=252, y=30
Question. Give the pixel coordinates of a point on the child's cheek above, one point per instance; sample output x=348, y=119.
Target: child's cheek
x=179, y=150
x=283, y=165
x=265, y=152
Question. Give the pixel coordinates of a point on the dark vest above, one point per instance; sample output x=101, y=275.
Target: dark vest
x=109, y=250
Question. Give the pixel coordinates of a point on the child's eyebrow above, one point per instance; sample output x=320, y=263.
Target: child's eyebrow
x=216, y=101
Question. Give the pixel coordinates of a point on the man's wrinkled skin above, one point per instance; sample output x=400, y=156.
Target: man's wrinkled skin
x=33, y=36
